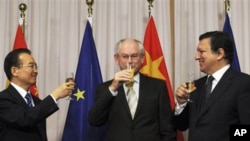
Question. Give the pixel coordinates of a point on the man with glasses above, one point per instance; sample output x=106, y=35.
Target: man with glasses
x=137, y=112
x=23, y=116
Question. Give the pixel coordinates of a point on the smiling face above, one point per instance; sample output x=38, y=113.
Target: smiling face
x=214, y=51
x=25, y=73
x=209, y=61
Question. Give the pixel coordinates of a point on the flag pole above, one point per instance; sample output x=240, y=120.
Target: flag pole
x=150, y=7
x=22, y=8
x=227, y=5
x=90, y=4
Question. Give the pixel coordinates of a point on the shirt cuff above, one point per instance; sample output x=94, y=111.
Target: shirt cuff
x=114, y=93
x=53, y=98
x=179, y=108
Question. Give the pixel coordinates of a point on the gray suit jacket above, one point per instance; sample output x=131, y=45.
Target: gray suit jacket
x=228, y=104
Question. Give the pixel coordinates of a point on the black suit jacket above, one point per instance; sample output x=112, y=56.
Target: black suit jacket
x=18, y=122
x=153, y=117
x=228, y=104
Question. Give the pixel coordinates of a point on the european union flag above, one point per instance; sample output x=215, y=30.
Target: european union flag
x=88, y=76
x=227, y=29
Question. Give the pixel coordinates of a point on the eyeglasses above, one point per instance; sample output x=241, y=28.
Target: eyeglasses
x=33, y=66
x=126, y=57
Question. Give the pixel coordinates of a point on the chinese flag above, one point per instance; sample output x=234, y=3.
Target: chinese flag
x=20, y=43
x=154, y=64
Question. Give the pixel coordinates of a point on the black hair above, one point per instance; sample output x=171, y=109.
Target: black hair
x=218, y=40
x=12, y=59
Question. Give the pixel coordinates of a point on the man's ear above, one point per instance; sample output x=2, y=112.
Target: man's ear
x=14, y=71
x=116, y=57
x=142, y=58
x=221, y=53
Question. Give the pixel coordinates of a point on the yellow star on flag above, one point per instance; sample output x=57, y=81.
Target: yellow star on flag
x=152, y=67
x=79, y=94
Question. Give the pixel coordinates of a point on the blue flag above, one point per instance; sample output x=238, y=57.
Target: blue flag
x=88, y=76
x=227, y=29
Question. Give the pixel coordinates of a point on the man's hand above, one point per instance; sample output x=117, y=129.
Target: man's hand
x=63, y=90
x=182, y=93
x=119, y=78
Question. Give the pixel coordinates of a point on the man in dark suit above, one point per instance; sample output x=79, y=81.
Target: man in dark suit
x=227, y=102
x=151, y=119
x=23, y=118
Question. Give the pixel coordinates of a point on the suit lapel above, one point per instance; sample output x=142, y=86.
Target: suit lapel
x=14, y=93
x=142, y=92
x=123, y=100
x=141, y=96
x=218, y=92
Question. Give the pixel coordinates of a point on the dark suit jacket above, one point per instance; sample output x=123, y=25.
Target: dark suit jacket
x=18, y=122
x=153, y=117
x=228, y=104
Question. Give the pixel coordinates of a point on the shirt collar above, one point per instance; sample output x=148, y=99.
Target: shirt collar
x=218, y=74
x=20, y=90
x=137, y=78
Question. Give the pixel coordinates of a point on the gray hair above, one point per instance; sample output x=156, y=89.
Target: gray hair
x=139, y=43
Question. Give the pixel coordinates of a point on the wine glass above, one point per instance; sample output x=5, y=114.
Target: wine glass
x=190, y=85
x=69, y=78
x=130, y=83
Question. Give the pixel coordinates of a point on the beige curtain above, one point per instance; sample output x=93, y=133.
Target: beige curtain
x=194, y=17
x=54, y=31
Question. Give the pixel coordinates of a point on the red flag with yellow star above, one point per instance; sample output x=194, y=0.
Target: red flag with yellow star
x=20, y=43
x=154, y=63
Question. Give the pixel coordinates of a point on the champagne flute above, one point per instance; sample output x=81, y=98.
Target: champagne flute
x=190, y=85
x=130, y=83
x=69, y=78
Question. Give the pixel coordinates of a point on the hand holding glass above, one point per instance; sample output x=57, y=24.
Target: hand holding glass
x=190, y=85
x=130, y=83
x=69, y=78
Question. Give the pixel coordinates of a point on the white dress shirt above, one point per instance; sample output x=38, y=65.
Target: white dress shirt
x=22, y=92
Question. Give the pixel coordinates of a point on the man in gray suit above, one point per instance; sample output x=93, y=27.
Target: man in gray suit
x=227, y=103
x=151, y=119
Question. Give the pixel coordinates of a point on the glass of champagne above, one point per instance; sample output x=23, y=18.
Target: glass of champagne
x=190, y=84
x=130, y=83
x=69, y=78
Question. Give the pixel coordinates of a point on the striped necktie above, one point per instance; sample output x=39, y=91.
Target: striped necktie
x=29, y=99
x=132, y=101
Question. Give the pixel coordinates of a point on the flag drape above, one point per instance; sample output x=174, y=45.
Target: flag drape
x=19, y=39
x=227, y=29
x=21, y=43
x=154, y=64
x=88, y=76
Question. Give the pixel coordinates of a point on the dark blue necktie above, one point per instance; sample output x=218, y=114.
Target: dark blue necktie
x=29, y=99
